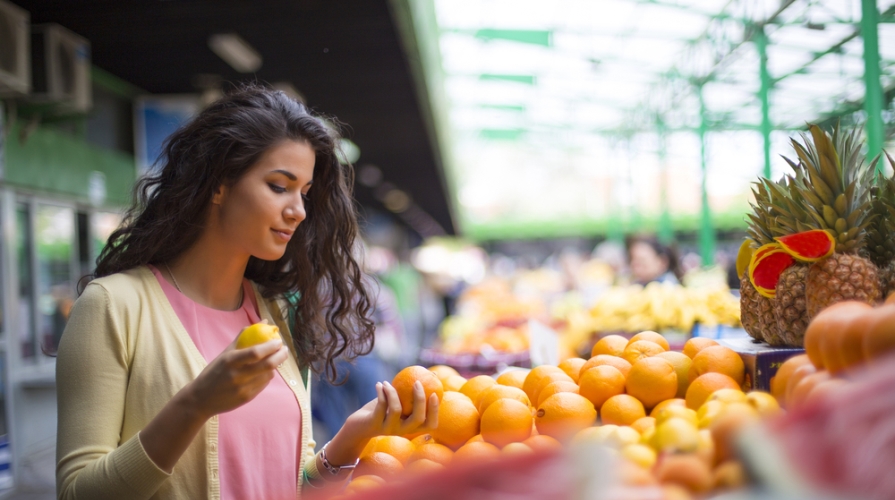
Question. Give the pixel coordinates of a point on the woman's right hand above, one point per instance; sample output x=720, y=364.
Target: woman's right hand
x=236, y=376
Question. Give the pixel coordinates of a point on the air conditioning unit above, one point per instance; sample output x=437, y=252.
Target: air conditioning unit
x=15, y=53
x=60, y=69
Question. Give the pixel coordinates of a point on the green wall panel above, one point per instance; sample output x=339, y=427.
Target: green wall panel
x=54, y=163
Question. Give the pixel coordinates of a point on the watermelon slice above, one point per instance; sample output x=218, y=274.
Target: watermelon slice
x=744, y=256
x=809, y=246
x=768, y=262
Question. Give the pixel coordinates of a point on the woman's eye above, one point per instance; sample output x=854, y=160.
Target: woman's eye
x=276, y=189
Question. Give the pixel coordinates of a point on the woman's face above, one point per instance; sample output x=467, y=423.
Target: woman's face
x=260, y=212
x=646, y=264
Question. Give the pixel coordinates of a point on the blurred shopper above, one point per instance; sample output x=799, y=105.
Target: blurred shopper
x=649, y=260
x=155, y=401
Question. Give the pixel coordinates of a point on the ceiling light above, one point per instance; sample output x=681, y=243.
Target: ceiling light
x=236, y=52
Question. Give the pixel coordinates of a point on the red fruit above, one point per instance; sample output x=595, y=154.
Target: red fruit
x=808, y=246
x=768, y=262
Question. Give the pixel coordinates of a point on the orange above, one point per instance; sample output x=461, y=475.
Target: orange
x=779, y=381
x=542, y=442
x=453, y=383
x=642, y=424
x=605, y=359
x=555, y=387
x=681, y=363
x=729, y=476
x=844, y=348
x=512, y=378
x=547, y=380
x=424, y=466
x=803, y=389
x=622, y=409
x=727, y=426
x=613, y=345
x=563, y=414
x=458, y=420
x=718, y=359
x=826, y=388
x=696, y=344
x=421, y=440
x=396, y=446
x=796, y=377
x=435, y=452
x=533, y=379
x=687, y=471
x=826, y=325
x=652, y=337
x=476, y=439
x=652, y=380
x=506, y=421
x=473, y=387
x=641, y=349
x=665, y=404
x=704, y=385
x=601, y=383
x=497, y=391
x=479, y=451
x=403, y=383
x=572, y=367
x=443, y=372
x=379, y=464
x=363, y=483
x=516, y=449
x=880, y=338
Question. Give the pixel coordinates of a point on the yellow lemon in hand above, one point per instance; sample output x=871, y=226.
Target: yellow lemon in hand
x=258, y=333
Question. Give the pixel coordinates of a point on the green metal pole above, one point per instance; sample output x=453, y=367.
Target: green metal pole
x=706, y=231
x=666, y=232
x=761, y=43
x=873, y=98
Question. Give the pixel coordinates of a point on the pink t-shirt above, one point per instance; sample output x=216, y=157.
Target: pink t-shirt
x=259, y=443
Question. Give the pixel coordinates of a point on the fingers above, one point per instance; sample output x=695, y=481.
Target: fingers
x=418, y=414
x=273, y=351
x=432, y=412
x=381, y=407
x=393, y=402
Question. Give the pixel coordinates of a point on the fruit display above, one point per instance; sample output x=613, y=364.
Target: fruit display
x=819, y=236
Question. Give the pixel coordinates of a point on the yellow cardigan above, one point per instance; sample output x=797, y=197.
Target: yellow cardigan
x=123, y=356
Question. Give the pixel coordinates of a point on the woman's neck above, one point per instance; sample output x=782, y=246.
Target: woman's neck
x=209, y=273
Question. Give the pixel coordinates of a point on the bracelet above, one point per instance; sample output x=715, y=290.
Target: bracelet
x=334, y=469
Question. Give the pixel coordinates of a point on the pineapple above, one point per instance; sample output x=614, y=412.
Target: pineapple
x=757, y=311
x=881, y=234
x=833, y=186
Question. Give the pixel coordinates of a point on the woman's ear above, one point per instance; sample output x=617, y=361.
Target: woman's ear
x=220, y=193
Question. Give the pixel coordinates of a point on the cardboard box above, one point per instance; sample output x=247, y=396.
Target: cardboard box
x=761, y=360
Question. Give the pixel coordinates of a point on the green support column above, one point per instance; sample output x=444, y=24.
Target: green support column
x=666, y=231
x=873, y=98
x=706, y=231
x=761, y=43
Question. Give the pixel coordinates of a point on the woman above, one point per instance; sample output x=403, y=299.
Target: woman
x=251, y=206
x=650, y=260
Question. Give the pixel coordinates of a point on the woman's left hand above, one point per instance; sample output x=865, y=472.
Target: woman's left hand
x=382, y=416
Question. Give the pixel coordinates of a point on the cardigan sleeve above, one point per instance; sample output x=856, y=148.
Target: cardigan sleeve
x=91, y=380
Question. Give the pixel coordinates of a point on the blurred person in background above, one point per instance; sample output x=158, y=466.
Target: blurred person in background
x=649, y=261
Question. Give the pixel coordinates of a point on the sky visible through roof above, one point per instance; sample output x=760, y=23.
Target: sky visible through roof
x=570, y=114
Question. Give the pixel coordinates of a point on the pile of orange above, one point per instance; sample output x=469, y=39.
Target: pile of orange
x=634, y=395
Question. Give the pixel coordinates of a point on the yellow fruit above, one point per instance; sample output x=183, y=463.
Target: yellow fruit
x=728, y=396
x=681, y=364
x=763, y=402
x=564, y=414
x=665, y=404
x=640, y=454
x=676, y=435
x=642, y=424
x=458, y=420
x=612, y=436
x=729, y=476
x=258, y=333
x=403, y=384
x=677, y=412
x=506, y=421
x=708, y=412
x=706, y=448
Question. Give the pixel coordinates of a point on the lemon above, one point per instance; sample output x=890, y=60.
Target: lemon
x=763, y=402
x=258, y=333
x=676, y=434
x=676, y=412
x=728, y=396
x=708, y=412
x=640, y=454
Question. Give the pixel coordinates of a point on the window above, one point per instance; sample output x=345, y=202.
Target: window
x=54, y=231
x=102, y=224
x=24, y=266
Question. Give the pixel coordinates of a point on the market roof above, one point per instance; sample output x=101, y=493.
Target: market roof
x=576, y=116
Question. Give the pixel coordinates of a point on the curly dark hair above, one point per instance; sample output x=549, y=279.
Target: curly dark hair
x=322, y=281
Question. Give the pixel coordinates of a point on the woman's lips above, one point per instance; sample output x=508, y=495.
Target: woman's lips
x=283, y=235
